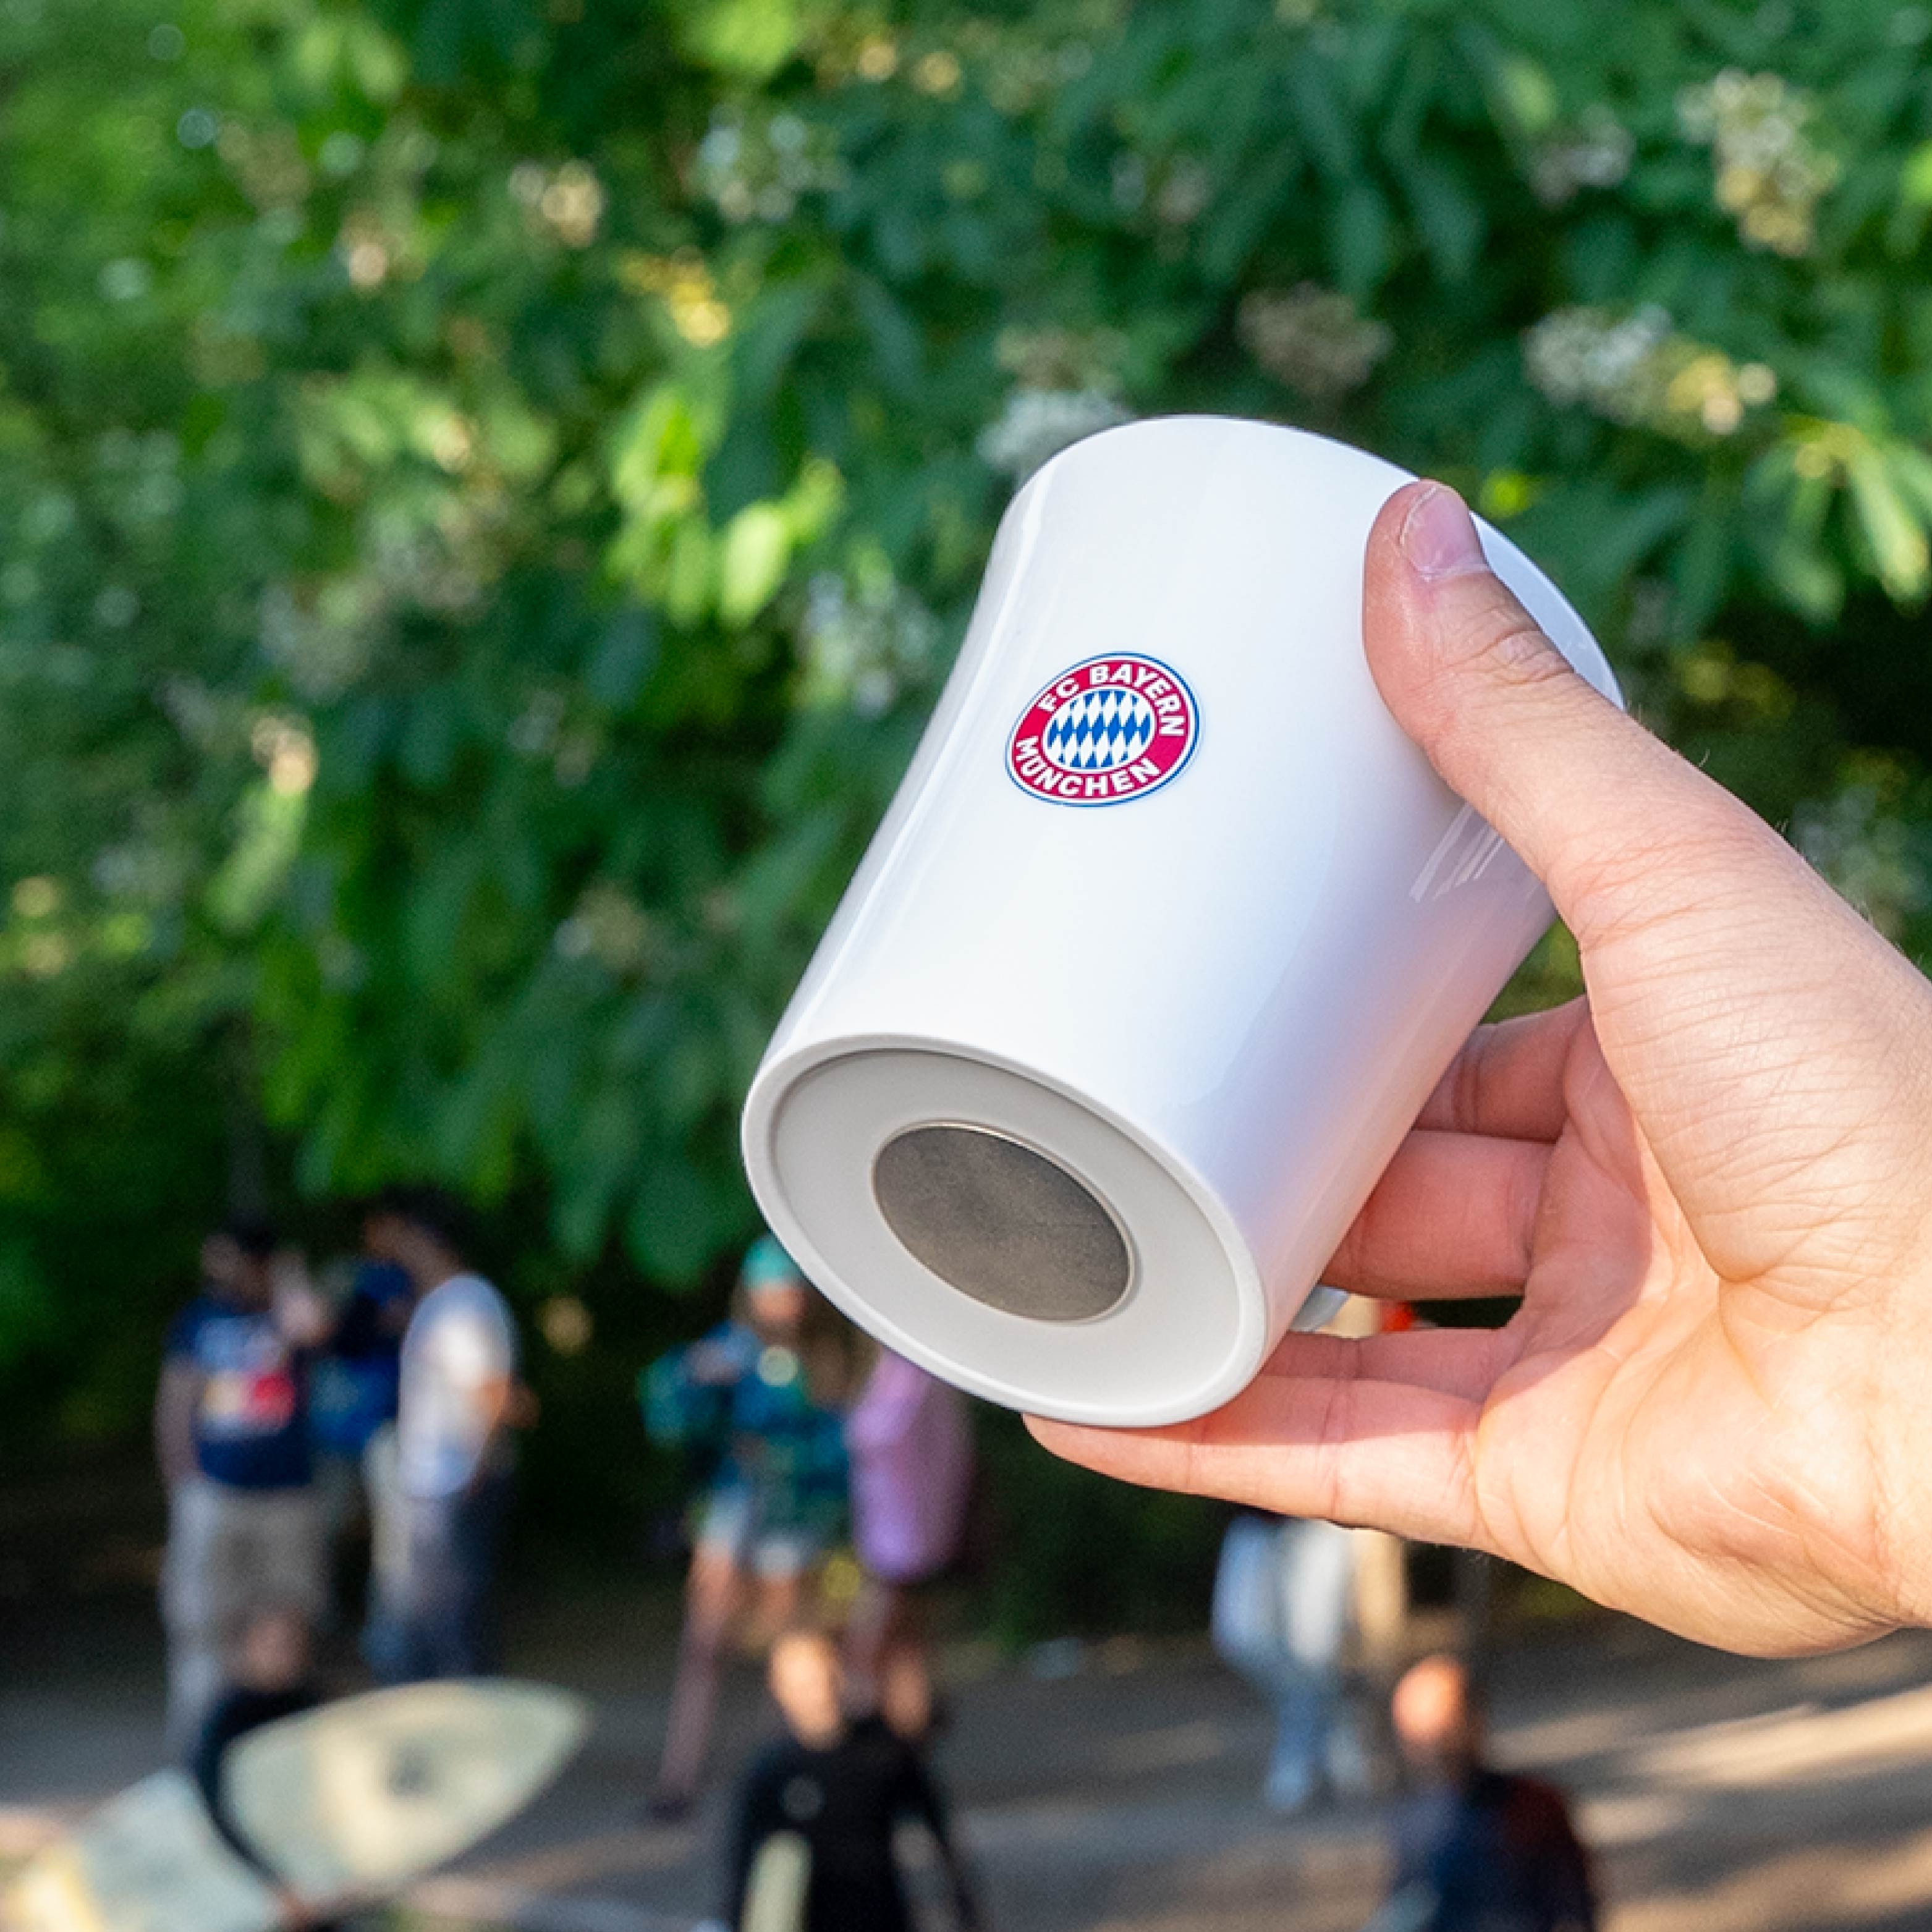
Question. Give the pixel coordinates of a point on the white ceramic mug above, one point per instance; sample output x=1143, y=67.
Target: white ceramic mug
x=1168, y=934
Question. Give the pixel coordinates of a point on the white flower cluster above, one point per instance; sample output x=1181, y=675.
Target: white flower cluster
x=140, y=477
x=1186, y=192
x=567, y=202
x=1018, y=72
x=439, y=561
x=1636, y=369
x=1037, y=424
x=1062, y=359
x=1604, y=361
x=321, y=643
x=267, y=162
x=863, y=644
x=1313, y=339
x=1596, y=153
x=1181, y=190
x=757, y=168
x=1770, y=173
x=203, y=720
x=610, y=927
x=543, y=730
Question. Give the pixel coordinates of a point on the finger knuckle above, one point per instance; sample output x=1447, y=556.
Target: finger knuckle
x=1499, y=652
x=1498, y=637
x=1516, y=652
x=1700, y=865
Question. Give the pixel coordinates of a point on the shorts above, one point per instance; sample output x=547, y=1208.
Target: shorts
x=231, y=1550
x=732, y=1526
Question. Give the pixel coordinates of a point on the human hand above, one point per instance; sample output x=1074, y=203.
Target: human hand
x=1706, y=1179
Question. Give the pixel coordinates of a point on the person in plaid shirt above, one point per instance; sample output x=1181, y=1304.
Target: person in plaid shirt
x=759, y=1402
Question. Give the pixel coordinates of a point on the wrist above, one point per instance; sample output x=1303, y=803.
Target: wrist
x=1887, y=1562
x=1902, y=1520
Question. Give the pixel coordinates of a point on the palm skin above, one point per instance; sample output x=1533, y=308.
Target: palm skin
x=1705, y=1179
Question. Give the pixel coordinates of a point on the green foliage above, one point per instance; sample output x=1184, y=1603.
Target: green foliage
x=487, y=490
x=1074, y=1552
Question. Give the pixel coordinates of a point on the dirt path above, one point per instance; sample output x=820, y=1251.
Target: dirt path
x=1113, y=1789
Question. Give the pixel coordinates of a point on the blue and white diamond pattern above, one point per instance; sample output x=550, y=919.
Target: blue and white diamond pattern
x=1099, y=730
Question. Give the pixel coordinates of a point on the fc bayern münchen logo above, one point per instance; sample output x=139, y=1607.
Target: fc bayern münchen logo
x=1108, y=730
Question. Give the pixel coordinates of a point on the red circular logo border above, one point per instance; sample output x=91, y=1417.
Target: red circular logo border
x=1143, y=791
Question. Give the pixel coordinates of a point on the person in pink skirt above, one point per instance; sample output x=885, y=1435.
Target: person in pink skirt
x=910, y=1440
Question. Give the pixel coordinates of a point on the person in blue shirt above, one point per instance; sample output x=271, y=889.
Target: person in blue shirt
x=1476, y=1850
x=353, y=1392
x=232, y=1436
x=358, y=1373
x=759, y=1403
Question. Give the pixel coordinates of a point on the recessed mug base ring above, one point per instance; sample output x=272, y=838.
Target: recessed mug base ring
x=1006, y=1235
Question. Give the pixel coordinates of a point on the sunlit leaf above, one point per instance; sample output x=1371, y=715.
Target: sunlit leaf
x=1896, y=535
x=751, y=561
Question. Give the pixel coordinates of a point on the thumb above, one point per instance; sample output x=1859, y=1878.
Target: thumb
x=1616, y=825
x=1764, y=1037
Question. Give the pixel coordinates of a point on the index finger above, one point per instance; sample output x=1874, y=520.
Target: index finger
x=1383, y=1455
x=1508, y=1079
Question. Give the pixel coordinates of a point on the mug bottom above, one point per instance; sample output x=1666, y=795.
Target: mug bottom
x=1003, y=1222
x=1008, y=1235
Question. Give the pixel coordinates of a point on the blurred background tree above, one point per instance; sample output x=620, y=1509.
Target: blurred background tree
x=488, y=489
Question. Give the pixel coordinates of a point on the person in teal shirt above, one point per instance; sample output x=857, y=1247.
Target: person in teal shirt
x=759, y=1402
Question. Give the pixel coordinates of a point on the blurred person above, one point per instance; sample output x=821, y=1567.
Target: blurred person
x=383, y=1637
x=1285, y=1605
x=1283, y=1595
x=1703, y=1178
x=758, y=1399
x=269, y=1675
x=231, y=1434
x=910, y=1440
x=356, y=1382
x=1475, y=1849
x=457, y=1404
x=831, y=1793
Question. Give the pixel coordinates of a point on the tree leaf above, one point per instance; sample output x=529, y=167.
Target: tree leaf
x=751, y=566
